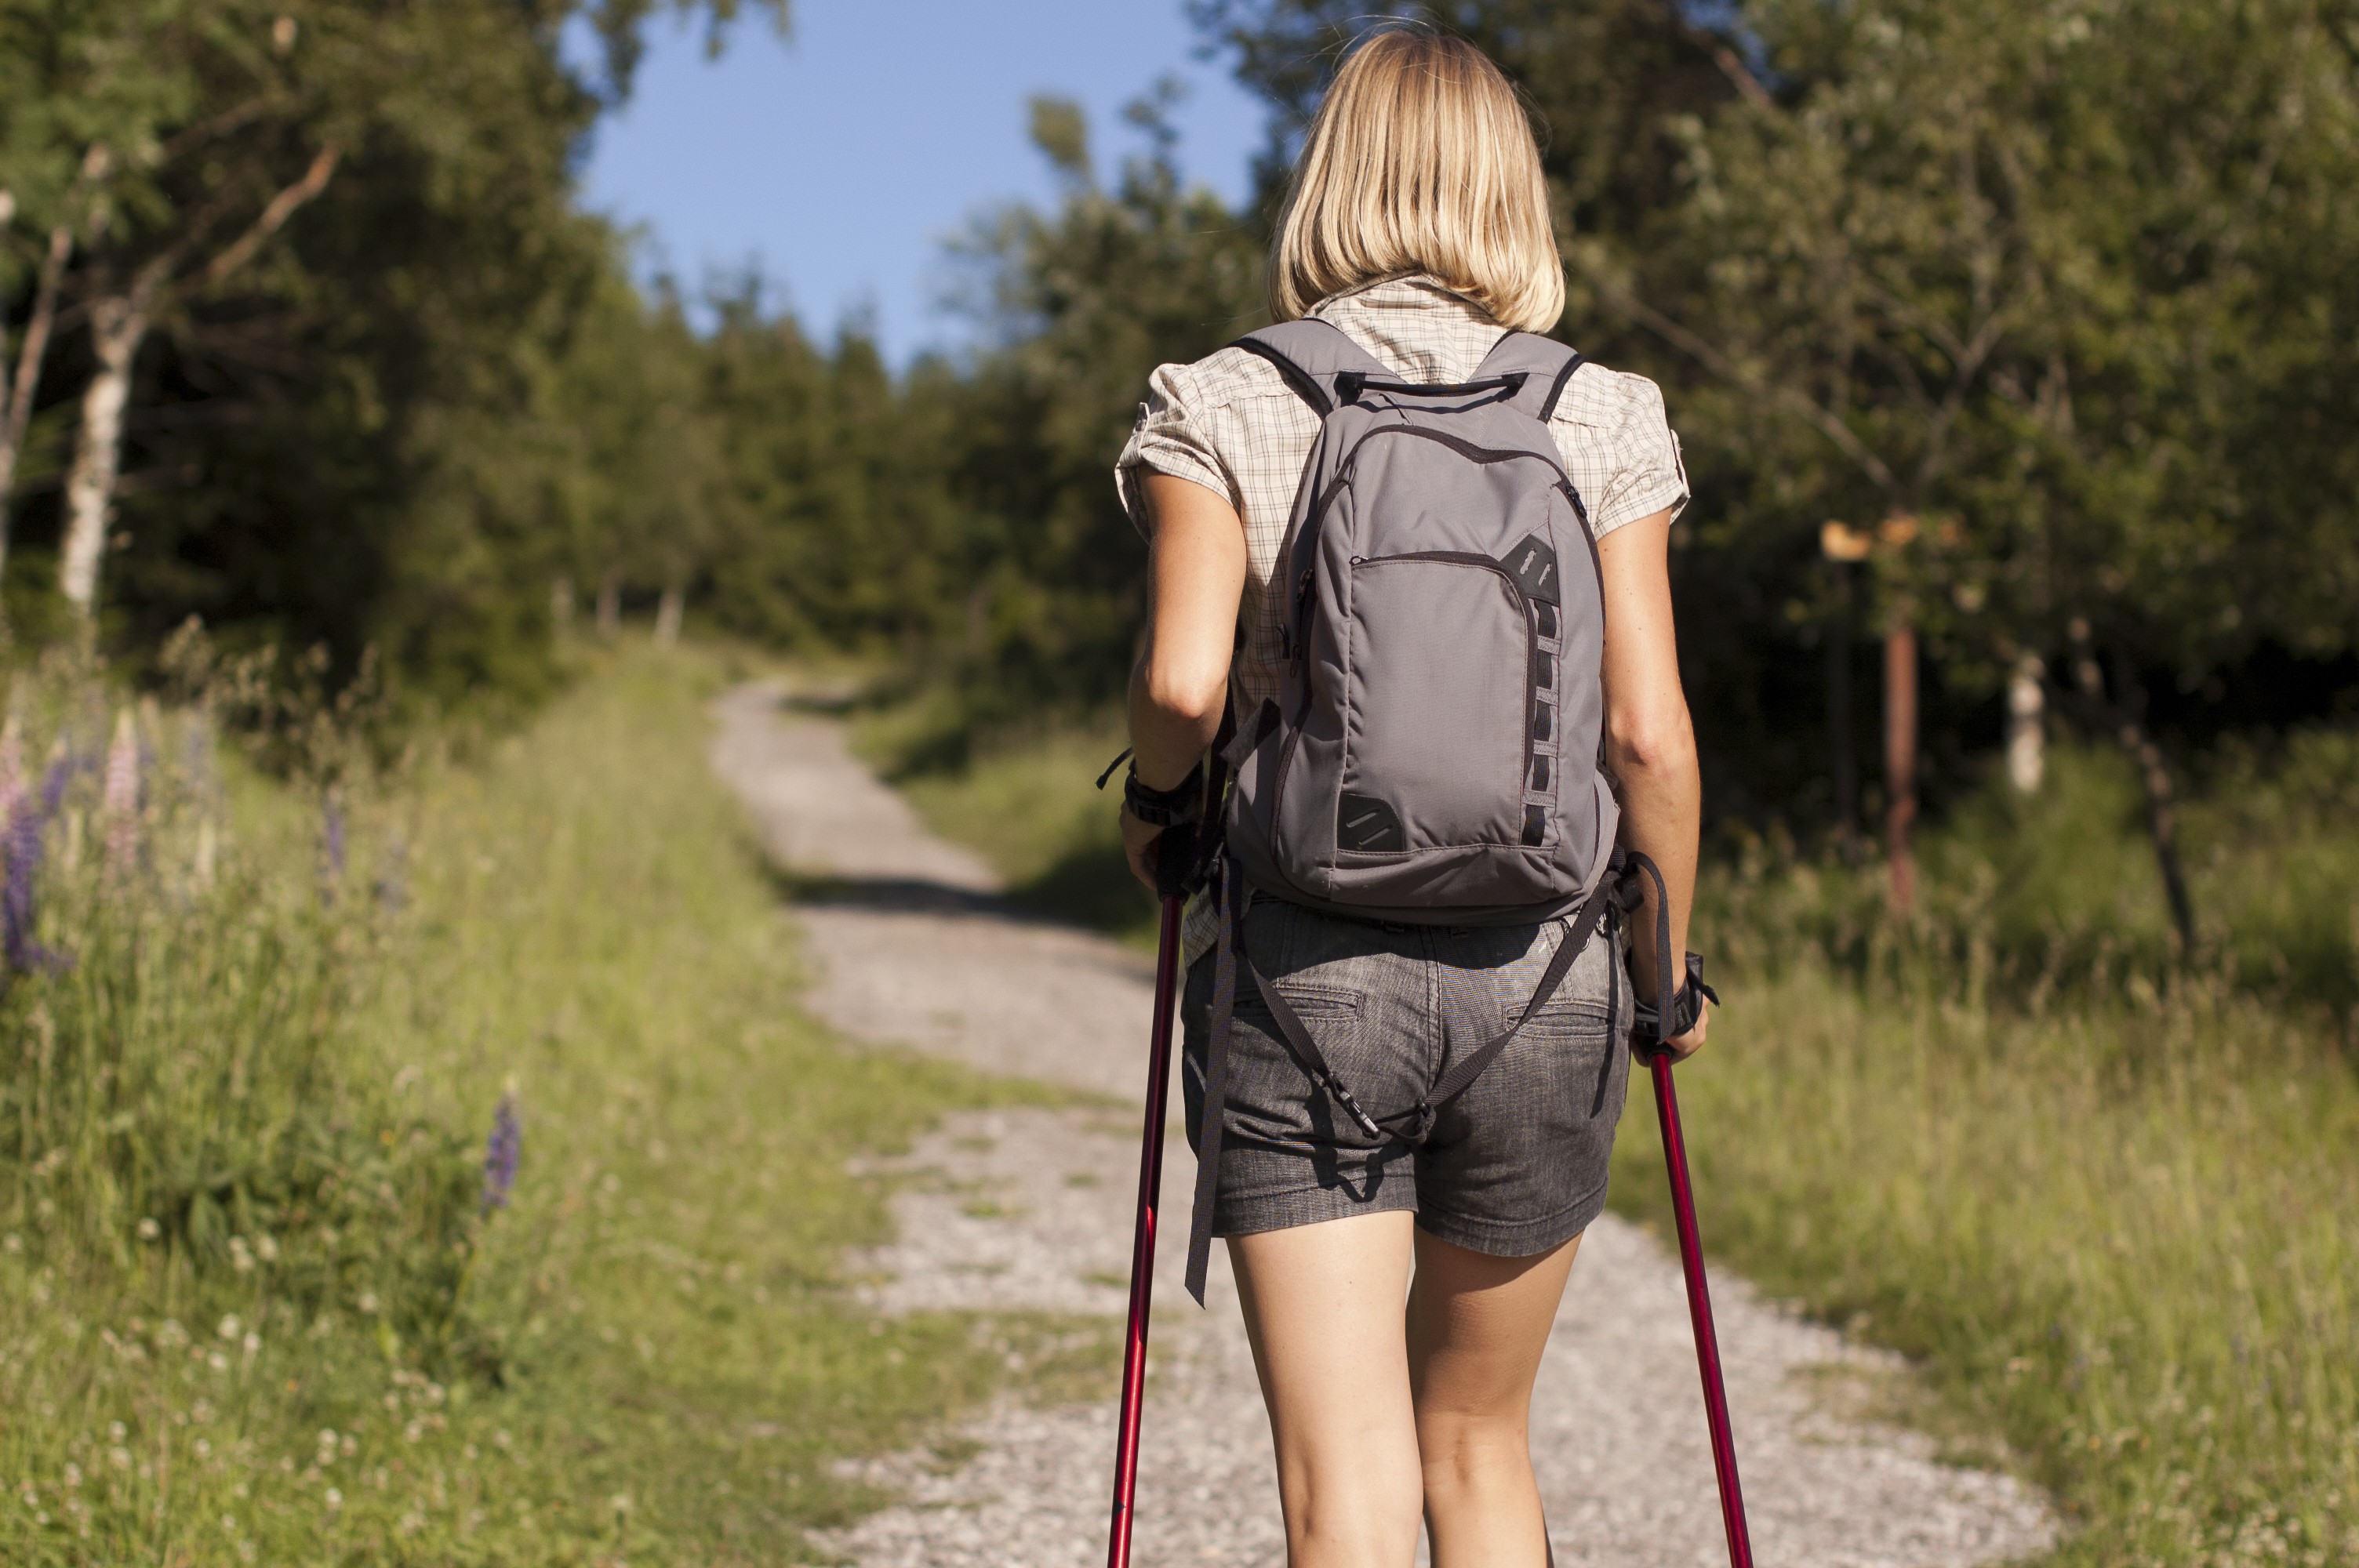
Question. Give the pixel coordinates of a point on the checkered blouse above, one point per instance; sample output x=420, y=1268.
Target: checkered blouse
x=1231, y=424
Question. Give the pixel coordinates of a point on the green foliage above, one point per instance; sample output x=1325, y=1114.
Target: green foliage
x=323, y=1345
x=1032, y=809
x=398, y=420
x=2058, y=280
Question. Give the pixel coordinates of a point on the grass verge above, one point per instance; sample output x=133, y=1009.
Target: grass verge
x=1032, y=810
x=262, y=1298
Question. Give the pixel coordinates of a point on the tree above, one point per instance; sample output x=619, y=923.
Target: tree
x=352, y=227
x=2048, y=284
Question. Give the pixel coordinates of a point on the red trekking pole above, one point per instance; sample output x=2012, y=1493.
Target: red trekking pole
x=1142, y=1242
x=1715, y=1395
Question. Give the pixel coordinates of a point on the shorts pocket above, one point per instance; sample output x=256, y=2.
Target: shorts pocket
x=1581, y=1035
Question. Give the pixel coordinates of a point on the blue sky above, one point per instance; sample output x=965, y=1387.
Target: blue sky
x=837, y=159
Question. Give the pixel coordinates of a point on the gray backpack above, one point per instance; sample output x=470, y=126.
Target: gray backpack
x=1432, y=756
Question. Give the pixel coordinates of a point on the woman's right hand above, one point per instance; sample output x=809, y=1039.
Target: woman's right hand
x=1138, y=842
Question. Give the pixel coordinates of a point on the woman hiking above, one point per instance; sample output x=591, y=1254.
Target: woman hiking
x=1407, y=922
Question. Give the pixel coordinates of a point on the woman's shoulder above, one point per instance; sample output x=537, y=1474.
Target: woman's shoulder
x=1602, y=401
x=1222, y=380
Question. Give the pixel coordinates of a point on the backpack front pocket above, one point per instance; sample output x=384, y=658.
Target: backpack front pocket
x=1441, y=664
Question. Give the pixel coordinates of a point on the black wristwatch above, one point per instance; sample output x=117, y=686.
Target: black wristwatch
x=1687, y=1007
x=1184, y=802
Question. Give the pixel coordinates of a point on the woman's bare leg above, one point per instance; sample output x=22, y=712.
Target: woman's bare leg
x=1322, y=1306
x=1476, y=1327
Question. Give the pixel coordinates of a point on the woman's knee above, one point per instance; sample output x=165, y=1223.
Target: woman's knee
x=1353, y=1514
x=1460, y=1450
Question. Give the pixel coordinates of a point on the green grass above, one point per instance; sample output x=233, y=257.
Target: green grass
x=252, y=1307
x=2103, y=1201
x=1033, y=811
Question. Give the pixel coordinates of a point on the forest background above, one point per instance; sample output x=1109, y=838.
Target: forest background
x=2044, y=305
x=2012, y=345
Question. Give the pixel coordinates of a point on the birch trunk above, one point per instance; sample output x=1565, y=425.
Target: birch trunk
x=669, y=611
x=2026, y=725
x=118, y=329
x=16, y=397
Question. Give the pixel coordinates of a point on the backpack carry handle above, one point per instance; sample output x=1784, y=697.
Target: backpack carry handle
x=1351, y=384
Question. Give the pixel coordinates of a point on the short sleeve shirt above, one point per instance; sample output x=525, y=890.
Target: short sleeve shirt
x=1230, y=423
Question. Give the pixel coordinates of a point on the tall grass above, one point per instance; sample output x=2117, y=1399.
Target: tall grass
x=269, y=1293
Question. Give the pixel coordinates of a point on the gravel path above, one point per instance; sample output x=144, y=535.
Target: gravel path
x=1031, y=1209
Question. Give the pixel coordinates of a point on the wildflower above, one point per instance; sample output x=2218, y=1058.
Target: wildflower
x=336, y=1499
x=332, y=844
x=17, y=910
x=12, y=767
x=241, y=1258
x=119, y=802
x=149, y=1230
x=229, y=1326
x=500, y=1155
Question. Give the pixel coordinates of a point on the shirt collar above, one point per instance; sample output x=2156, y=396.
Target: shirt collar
x=1415, y=325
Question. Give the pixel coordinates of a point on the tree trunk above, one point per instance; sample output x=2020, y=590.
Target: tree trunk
x=2161, y=800
x=1841, y=762
x=1900, y=759
x=560, y=607
x=118, y=329
x=669, y=611
x=16, y=397
x=2125, y=718
x=2026, y=725
x=610, y=606
x=118, y=326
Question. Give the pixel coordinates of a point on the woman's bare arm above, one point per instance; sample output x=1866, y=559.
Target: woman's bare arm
x=1650, y=740
x=1177, y=689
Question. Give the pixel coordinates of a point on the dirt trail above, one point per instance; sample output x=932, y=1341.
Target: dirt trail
x=1031, y=1209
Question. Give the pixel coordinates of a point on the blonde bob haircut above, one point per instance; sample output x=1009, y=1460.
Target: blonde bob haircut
x=1420, y=160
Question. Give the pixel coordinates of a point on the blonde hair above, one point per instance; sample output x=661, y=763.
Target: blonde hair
x=1420, y=160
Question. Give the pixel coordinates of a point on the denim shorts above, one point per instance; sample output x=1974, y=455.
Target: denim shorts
x=1515, y=1165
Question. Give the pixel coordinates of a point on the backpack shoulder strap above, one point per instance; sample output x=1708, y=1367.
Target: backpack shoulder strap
x=1546, y=365
x=1311, y=354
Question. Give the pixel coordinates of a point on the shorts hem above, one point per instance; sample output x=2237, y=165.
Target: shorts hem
x=1266, y=1212
x=1519, y=1239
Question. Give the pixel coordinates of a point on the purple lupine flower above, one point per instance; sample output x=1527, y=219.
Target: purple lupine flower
x=17, y=910
x=332, y=845
x=119, y=803
x=62, y=767
x=501, y=1155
